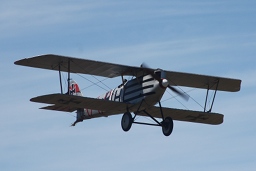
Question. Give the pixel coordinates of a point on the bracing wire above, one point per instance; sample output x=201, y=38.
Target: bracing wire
x=180, y=101
x=195, y=100
x=99, y=81
x=188, y=95
x=175, y=99
x=92, y=81
x=94, y=78
x=94, y=84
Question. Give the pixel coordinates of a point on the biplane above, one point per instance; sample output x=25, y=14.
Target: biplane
x=139, y=96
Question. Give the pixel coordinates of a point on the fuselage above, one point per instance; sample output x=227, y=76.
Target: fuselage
x=144, y=88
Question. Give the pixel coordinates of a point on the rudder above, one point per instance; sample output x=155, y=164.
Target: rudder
x=74, y=89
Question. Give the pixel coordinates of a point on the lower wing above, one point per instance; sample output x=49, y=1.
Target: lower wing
x=185, y=115
x=70, y=103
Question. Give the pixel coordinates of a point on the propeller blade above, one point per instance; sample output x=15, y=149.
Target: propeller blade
x=150, y=71
x=180, y=93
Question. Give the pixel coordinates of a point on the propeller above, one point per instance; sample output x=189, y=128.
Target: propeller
x=180, y=93
x=163, y=82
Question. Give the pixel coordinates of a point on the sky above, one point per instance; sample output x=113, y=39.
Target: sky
x=205, y=37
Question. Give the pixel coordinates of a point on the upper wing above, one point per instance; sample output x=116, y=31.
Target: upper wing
x=186, y=115
x=85, y=66
x=70, y=103
x=203, y=81
x=76, y=65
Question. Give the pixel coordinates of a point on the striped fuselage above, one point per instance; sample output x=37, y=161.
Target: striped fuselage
x=133, y=91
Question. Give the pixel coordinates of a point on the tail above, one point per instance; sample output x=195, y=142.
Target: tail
x=74, y=88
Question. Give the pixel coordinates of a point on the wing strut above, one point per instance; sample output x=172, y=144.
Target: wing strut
x=206, y=99
x=69, y=70
x=68, y=75
x=60, y=80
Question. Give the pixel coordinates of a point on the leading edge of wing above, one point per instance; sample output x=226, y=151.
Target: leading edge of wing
x=65, y=101
x=186, y=115
x=77, y=65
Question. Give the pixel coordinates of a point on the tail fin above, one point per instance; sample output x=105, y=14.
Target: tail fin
x=74, y=89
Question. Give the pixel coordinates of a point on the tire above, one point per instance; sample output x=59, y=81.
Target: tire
x=167, y=126
x=126, y=121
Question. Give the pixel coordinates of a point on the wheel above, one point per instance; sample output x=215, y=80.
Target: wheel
x=167, y=126
x=126, y=121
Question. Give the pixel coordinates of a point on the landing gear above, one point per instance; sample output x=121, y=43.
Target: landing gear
x=167, y=126
x=126, y=121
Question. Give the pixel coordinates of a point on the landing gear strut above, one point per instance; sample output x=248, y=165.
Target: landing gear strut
x=166, y=124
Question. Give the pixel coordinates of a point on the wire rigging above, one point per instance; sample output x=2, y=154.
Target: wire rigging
x=99, y=81
x=176, y=99
x=108, y=88
x=93, y=83
x=181, y=102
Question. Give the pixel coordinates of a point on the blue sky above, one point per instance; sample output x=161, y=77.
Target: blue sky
x=204, y=37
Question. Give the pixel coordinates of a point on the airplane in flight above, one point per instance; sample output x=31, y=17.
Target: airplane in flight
x=132, y=98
